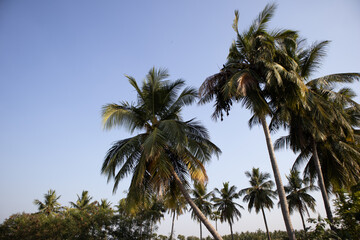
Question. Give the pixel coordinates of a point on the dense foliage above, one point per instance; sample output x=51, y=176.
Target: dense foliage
x=97, y=220
x=84, y=220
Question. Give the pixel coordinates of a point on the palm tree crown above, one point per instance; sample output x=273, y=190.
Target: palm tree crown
x=260, y=194
x=50, y=205
x=83, y=201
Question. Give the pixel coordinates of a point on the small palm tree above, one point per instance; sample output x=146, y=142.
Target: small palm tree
x=298, y=197
x=105, y=204
x=215, y=216
x=202, y=200
x=175, y=203
x=226, y=206
x=83, y=202
x=50, y=204
x=165, y=149
x=260, y=194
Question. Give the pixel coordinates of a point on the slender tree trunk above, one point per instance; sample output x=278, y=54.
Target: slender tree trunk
x=216, y=224
x=303, y=222
x=200, y=232
x=172, y=226
x=279, y=185
x=322, y=185
x=231, y=231
x=266, y=226
x=197, y=211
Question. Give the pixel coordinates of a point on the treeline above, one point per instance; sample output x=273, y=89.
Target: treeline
x=87, y=219
x=84, y=219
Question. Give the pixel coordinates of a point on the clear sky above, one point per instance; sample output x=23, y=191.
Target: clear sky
x=60, y=61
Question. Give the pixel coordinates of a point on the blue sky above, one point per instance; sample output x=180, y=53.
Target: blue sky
x=60, y=61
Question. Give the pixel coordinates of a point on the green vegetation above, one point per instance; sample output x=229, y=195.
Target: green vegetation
x=92, y=220
x=270, y=73
x=99, y=221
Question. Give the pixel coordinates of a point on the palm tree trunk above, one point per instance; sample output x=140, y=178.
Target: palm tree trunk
x=200, y=232
x=172, y=226
x=303, y=222
x=266, y=226
x=231, y=231
x=322, y=185
x=279, y=185
x=216, y=224
x=197, y=211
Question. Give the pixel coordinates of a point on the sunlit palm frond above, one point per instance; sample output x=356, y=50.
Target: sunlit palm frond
x=312, y=58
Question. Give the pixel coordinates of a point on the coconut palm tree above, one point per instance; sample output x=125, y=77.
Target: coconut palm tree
x=253, y=76
x=260, y=194
x=175, y=203
x=105, y=204
x=215, y=216
x=50, y=204
x=155, y=209
x=298, y=197
x=323, y=122
x=83, y=202
x=202, y=200
x=166, y=148
x=226, y=206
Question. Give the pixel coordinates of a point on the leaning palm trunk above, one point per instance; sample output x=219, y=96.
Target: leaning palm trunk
x=197, y=211
x=267, y=229
x=322, y=185
x=279, y=185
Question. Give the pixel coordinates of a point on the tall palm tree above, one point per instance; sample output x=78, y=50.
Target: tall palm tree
x=202, y=200
x=253, y=76
x=322, y=123
x=83, y=202
x=166, y=148
x=226, y=206
x=260, y=194
x=50, y=204
x=298, y=197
